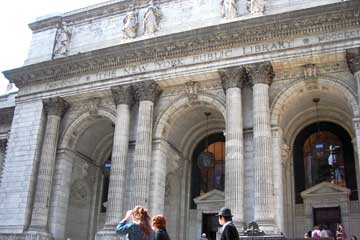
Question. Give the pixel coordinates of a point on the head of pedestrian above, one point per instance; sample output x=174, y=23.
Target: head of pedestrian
x=224, y=215
x=203, y=235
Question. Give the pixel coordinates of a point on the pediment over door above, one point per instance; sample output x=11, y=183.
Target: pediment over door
x=210, y=202
x=325, y=189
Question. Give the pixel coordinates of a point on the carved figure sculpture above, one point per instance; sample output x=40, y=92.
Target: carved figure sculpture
x=151, y=19
x=130, y=23
x=229, y=9
x=257, y=7
x=62, y=40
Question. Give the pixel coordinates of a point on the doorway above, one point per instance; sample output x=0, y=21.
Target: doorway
x=329, y=217
x=210, y=225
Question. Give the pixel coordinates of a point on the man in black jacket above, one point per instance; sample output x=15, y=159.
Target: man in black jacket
x=229, y=230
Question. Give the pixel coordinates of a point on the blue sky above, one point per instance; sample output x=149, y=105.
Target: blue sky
x=15, y=33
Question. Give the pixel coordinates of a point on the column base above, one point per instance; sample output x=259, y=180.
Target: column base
x=37, y=235
x=109, y=235
x=269, y=228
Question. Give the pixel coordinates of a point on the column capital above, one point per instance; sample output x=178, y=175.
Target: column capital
x=147, y=91
x=123, y=95
x=353, y=60
x=260, y=73
x=233, y=77
x=56, y=106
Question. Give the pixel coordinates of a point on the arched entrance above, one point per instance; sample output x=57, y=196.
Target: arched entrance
x=89, y=139
x=183, y=126
x=205, y=178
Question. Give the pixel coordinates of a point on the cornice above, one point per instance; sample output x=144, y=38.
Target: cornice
x=302, y=23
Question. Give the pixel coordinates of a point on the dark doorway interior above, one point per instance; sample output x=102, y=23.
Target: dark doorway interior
x=210, y=225
x=329, y=217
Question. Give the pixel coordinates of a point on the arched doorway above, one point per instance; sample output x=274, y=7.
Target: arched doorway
x=206, y=178
x=90, y=177
x=324, y=152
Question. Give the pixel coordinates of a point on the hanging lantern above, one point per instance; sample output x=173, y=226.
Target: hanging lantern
x=206, y=159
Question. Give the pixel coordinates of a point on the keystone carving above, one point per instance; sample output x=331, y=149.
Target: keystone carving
x=353, y=59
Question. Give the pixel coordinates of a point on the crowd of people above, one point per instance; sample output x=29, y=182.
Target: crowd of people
x=325, y=232
x=138, y=225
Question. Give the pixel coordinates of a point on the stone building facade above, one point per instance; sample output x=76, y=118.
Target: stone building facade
x=110, y=114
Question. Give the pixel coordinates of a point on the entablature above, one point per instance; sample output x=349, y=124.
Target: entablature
x=252, y=37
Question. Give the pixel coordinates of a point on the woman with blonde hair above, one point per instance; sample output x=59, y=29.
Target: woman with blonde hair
x=136, y=224
x=158, y=223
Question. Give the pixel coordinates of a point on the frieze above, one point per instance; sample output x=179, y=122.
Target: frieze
x=246, y=34
x=200, y=87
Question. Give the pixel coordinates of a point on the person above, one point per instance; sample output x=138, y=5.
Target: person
x=316, y=232
x=229, y=231
x=203, y=237
x=353, y=238
x=306, y=235
x=340, y=232
x=158, y=223
x=324, y=232
x=138, y=228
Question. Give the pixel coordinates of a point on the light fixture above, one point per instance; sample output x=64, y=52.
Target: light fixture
x=206, y=159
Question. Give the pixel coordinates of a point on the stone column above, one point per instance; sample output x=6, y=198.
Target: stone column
x=232, y=80
x=60, y=194
x=262, y=75
x=278, y=177
x=123, y=99
x=158, y=178
x=357, y=147
x=3, y=143
x=55, y=109
x=147, y=93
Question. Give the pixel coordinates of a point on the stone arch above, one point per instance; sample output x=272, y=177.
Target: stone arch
x=161, y=125
x=322, y=83
x=80, y=124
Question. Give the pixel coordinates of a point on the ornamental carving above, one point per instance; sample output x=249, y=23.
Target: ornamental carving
x=229, y=9
x=123, y=95
x=233, y=77
x=62, y=41
x=152, y=18
x=310, y=70
x=256, y=6
x=353, y=59
x=192, y=91
x=260, y=73
x=93, y=106
x=147, y=91
x=333, y=19
x=56, y=106
x=130, y=23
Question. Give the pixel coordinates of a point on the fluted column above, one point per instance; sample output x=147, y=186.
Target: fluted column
x=3, y=143
x=60, y=194
x=261, y=75
x=146, y=93
x=357, y=146
x=123, y=99
x=232, y=80
x=55, y=109
x=158, y=178
x=278, y=177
